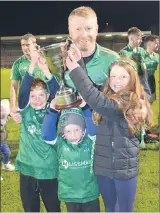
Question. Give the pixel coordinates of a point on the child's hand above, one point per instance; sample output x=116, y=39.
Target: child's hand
x=83, y=102
x=53, y=104
x=71, y=61
x=75, y=52
x=34, y=54
x=16, y=116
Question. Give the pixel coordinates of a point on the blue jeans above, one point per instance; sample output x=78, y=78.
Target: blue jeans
x=118, y=195
x=6, y=151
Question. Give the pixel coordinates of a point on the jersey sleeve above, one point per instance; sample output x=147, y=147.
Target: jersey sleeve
x=15, y=75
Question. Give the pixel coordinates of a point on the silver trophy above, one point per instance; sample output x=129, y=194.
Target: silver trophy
x=55, y=56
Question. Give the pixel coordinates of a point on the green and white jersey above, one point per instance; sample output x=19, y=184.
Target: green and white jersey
x=136, y=54
x=35, y=157
x=151, y=61
x=21, y=66
x=76, y=180
x=97, y=68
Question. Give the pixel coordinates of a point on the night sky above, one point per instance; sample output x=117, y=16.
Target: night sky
x=45, y=18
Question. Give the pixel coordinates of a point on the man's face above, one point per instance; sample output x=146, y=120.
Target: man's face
x=157, y=45
x=136, y=40
x=83, y=32
x=38, y=98
x=152, y=45
x=27, y=45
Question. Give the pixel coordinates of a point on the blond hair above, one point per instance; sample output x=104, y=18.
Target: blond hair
x=85, y=12
x=134, y=31
x=28, y=36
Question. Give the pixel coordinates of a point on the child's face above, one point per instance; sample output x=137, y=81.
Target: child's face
x=119, y=78
x=73, y=133
x=38, y=98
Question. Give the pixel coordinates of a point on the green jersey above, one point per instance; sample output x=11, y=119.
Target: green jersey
x=151, y=61
x=35, y=158
x=76, y=180
x=137, y=54
x=97, y=68
x=20, y=66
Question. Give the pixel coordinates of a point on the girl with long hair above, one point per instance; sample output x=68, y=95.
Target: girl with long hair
x=120, y=112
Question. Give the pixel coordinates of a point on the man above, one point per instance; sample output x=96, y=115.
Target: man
x=136, y=53
x=83, y=30
x=151, y=60
x=157, y=48
x=21, y=65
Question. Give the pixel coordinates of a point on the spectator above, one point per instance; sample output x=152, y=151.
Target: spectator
x=151, y=60
x=21, y=66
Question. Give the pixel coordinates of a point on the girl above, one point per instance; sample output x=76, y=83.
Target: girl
x=121, y=110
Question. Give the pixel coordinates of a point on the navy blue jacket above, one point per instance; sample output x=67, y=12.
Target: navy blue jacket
x=116, y=150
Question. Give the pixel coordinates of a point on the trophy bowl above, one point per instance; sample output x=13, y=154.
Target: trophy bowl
x=55, y=56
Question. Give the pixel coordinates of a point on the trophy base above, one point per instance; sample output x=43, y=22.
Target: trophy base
x=75, y=104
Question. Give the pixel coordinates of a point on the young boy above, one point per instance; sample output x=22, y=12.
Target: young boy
x=77, y=185
x=36, y=161
x=4, y=148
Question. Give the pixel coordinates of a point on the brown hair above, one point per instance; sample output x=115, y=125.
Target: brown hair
x=128, y=100
x=148, y=38
x=38, y=83
x=134, y=31
x=84, y=12
x=27, y=36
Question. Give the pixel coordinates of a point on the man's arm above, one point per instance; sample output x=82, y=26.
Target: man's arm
x=13, y=93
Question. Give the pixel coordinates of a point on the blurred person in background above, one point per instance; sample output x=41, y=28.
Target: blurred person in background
x=151, y=59
x=4, y=148
x=157, y=48
x=136, y=53
x=20, y=66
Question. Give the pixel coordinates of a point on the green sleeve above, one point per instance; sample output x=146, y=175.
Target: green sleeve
x=123, y=53
x=158, y=58
x=59, y=145
x=15, y=75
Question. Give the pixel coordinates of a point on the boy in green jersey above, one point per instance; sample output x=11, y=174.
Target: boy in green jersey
x=77, y=184
x=36, y=161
